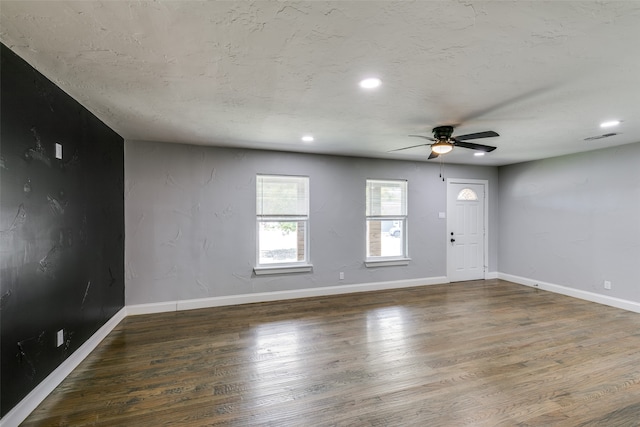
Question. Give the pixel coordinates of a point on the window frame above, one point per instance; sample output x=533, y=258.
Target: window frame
x=393, y=260
x=301, y=266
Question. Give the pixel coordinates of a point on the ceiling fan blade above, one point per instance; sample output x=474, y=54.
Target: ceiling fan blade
x=479, y=147
x=506, y=103
x=432, y=155
x=406, y=148
x=487, y=134
x=425, y=137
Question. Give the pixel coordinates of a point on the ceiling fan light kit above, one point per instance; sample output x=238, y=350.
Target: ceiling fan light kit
x=441, y=147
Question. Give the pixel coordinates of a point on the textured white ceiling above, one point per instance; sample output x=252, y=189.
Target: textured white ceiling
x=261, y=74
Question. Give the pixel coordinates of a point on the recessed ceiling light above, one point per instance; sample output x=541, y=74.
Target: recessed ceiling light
x=370, y=83
x=479, y=154
x=307, y=138
x=609, y=123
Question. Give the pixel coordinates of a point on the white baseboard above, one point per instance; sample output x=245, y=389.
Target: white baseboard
x=491, y=275
x=156, y=307
x=22, y=410
x=279, y=295
x=576, y=293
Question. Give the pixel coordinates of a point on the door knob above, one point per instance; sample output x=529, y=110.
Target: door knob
x=453, y=240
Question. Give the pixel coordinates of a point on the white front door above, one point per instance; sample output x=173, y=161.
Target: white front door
x=465, y=230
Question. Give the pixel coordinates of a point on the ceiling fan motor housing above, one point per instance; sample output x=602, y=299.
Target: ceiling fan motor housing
x=442, y=133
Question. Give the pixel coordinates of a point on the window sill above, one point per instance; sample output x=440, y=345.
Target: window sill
x=283, y=269
x=387, y=262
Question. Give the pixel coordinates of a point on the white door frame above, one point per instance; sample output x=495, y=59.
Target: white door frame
x=485, y=184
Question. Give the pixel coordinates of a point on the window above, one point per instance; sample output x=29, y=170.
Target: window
x=467, y=194
x=282, y=208
x=386, y=213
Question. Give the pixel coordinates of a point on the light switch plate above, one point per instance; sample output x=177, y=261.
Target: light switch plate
x=58, y=151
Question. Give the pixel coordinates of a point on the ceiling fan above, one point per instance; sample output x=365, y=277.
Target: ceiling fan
x=443, y=142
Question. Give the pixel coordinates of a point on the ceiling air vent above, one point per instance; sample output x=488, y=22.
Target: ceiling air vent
x=606, y=135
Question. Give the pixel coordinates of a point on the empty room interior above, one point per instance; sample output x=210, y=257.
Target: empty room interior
x=341, y=213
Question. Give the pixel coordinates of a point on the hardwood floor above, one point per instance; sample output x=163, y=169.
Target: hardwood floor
x=485, y=353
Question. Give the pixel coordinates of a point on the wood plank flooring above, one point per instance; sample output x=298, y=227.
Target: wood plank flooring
x=484, y=353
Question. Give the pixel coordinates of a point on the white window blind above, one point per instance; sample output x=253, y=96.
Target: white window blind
x=386, y=198
x=282, y=196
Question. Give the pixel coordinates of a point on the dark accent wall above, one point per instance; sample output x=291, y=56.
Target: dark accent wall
x=61, y=226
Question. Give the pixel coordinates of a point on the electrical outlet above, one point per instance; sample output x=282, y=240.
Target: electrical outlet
x=341, y=275
x=60, y=338
x=607, y=284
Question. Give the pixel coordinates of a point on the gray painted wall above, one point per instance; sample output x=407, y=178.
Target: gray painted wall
x=191, y=227
x=574, y=221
